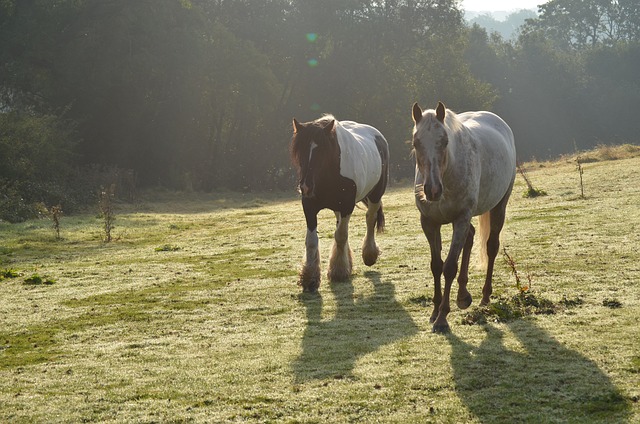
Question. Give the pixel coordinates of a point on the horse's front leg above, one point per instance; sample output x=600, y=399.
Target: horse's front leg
x=341, y=260
x=432, y=232
x=450, y=269
x=370, y=251
x=310, y=273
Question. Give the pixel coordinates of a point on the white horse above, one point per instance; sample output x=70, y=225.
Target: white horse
x=465, y=166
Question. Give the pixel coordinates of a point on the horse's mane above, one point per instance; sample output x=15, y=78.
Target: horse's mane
x=451, y=121
x=301, y=142
x=325, y=119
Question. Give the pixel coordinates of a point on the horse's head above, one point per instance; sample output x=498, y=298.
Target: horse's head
x=314, y=152
x=430, y=140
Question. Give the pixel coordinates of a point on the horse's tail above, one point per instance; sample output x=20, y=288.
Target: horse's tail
x=380, y=219
x=484, y=228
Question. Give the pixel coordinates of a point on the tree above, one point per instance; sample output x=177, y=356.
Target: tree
x=509, y=27
x=199, y=94
x=576, y=24
x=617, y=90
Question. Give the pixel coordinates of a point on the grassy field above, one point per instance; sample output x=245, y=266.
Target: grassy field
x=192, y=314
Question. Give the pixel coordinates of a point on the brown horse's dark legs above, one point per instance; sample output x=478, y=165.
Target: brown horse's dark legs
x=464, y=298
x=432, y=232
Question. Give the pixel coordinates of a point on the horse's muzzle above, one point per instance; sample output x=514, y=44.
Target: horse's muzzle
x=433, y=192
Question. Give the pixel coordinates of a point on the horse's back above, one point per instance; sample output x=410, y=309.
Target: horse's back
x=488, y=125
x=497, y=153
x=361, y=149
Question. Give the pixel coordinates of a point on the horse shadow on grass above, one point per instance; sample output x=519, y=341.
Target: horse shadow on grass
x=536, y=379
x=331, y=347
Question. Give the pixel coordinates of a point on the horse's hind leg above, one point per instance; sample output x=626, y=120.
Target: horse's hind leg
x=341, y=260
x=370, y=251
x=497, y=216
x=464, y=298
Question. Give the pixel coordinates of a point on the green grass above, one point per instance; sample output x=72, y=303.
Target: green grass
x=193, y=314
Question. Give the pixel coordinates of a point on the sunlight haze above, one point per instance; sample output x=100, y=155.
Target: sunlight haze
x=500, y=5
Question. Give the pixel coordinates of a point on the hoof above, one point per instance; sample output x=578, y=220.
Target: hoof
x=441, y=328
x=340, y=264
x=484, y=302
x=370, y=257
x=309, y=280
x=310, y=286
x=369, y=261
x=465, y=301
x=339, y=275
x=434, y=316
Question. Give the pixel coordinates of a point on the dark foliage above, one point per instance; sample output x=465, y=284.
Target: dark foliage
x=199, y=94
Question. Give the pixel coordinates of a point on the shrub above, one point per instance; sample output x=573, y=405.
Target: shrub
x=36, y=164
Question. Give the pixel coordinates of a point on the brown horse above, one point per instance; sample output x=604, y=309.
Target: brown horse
x=465, y=166
x=339, y=163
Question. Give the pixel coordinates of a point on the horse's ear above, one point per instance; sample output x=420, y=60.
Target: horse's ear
x=440, y=112
x=329, y=127
x=297, y=126
x=417, y=113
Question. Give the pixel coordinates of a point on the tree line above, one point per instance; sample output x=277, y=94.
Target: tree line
x=200, y=94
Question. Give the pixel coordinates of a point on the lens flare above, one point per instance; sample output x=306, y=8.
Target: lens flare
x=312, y=37
x=312, y=62
x=315, y=107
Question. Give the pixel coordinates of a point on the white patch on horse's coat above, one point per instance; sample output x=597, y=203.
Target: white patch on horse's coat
x=359, y=157
x=313, y=146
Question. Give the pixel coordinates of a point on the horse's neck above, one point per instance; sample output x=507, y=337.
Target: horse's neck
x=457, y=152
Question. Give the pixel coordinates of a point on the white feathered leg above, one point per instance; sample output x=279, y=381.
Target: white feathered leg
x=310, y=274
x=341, y=261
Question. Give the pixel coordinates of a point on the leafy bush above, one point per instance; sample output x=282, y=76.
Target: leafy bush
x=36, y=164
x=13, y=207
x=8, y=273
